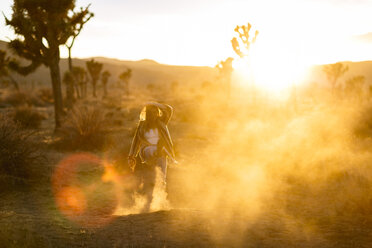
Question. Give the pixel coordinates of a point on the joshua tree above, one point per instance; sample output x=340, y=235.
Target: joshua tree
x=80, y=79
x=42, y=26
x=82, y=17
x=94, y=69
x=104, y=78
x=242, y=43
x=4, y=69
x=225, y=69
x=68, y=80
x=125, y=77
x=242, y=48
x=355, y=85
x=334, y=72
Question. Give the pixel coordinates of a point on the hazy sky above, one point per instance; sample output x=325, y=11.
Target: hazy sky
x=198, y=32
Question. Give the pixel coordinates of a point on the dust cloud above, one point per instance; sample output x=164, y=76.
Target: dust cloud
x=304, y=162
x=256, y=165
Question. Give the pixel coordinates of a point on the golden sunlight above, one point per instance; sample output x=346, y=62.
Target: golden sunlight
x=208, y=123
x=271, y=67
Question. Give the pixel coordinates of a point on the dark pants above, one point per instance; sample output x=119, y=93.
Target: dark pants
x=146, y=173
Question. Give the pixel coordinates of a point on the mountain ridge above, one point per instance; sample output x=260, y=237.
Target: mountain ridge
x=147, y=71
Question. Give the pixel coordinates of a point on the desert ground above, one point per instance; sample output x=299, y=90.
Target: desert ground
x=252, y=172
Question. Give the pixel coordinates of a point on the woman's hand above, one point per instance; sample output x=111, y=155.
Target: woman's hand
x=131, y=162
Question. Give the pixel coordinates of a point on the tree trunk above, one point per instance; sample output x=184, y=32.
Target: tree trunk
x=85, y=89
x=81, y=85
x=69, y=95
x=94, y=88
x=105, y=89
x=70, y=86
x=69, y=59
x=77, y=89
x=57, y=89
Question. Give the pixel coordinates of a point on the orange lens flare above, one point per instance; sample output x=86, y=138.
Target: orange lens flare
x=71, y=201
x=111, y=175
x=85, y=189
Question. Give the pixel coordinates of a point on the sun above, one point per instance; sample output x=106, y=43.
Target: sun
x=270, y=68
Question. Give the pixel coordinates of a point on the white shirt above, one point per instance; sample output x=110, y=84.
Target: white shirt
x=152, y=136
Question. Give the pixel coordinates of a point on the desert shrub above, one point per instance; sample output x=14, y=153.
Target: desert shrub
x=46, y=95
x=15, y=98
x=111, y=102
x=34, y=100
x=19, y=153
x=28, y=117
x=83, y=129
x=363, y=123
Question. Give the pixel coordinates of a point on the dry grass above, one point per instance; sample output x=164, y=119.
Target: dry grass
x=28, y=117
x=83, y=129
x=252, y=175
x=363, y=124
x=19, y=152
x=40, y=98
x=15, y=98
x=46, y=95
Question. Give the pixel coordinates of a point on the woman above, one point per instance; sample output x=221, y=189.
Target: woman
x=153, y=145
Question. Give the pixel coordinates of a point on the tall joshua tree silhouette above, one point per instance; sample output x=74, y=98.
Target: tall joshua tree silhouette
x=80, y=81
x=94, y=69
x=334, y=72
x=41, y=27
x=68, y=80
x=243, y=45
x=104, y=79
x=125, y=77
x=83, y=17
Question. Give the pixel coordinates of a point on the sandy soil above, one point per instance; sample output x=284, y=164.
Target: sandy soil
x=292, y=216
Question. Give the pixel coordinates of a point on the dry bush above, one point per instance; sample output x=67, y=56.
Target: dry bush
x=34, y=100
x=40, y=98
x=363, y=123
x=111, y=102
x=18, y=150
x=116, y=118
x=28, y=117
x=83, y=129
x=46, y=95
x=16, y=98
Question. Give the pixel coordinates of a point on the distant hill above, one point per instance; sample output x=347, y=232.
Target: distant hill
x=148, y=71
x=145, y=71
x=363, y=68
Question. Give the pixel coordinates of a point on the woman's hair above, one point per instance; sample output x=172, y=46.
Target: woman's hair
x=152, y=115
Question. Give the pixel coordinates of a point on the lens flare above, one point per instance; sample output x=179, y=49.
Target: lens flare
x=84, y=189
x=71, y=201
